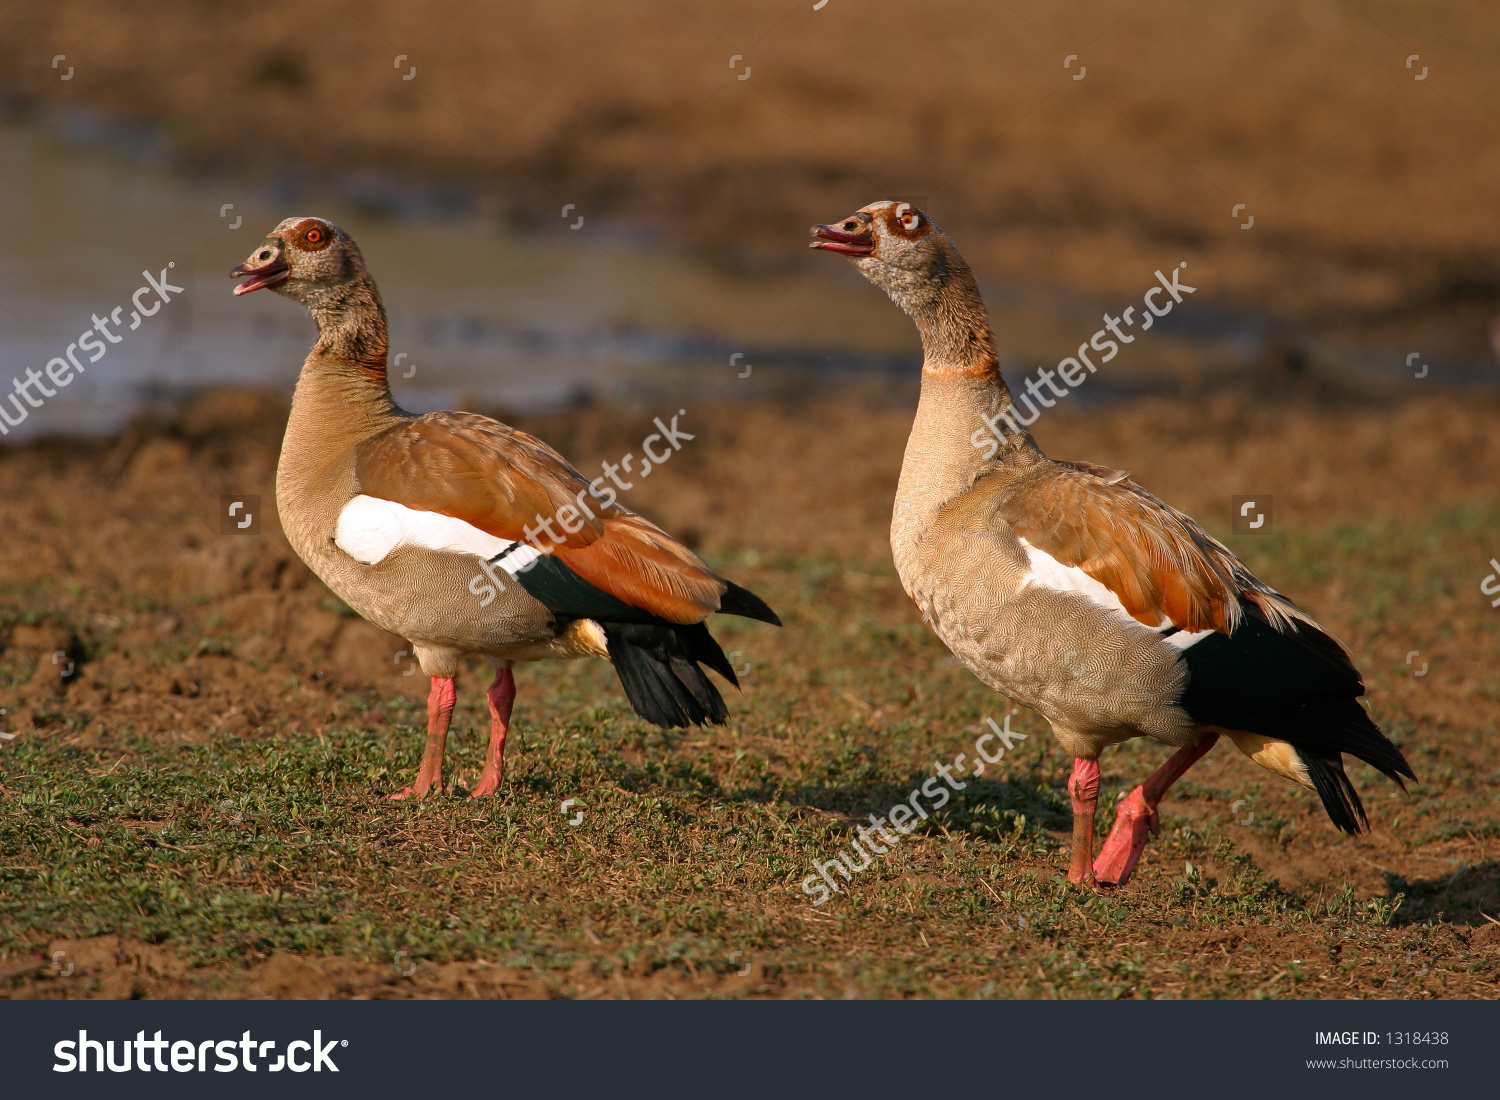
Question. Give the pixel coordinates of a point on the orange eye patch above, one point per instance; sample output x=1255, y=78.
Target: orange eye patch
x=313, y=235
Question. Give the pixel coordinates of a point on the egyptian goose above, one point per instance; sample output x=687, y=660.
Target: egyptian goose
x=466, y=536
x=1072, y=590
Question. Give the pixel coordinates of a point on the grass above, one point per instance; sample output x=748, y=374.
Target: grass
x=235, y=850
x=227, y=848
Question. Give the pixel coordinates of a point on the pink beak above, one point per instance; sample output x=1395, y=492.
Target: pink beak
x=836, y=240
x=263, y=274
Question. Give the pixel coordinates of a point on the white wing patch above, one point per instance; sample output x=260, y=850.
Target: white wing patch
x=1048, y=572
x=370, y=528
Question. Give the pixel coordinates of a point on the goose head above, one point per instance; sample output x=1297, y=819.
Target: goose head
x=895, y=245
x=904, y=252
x=307, y=259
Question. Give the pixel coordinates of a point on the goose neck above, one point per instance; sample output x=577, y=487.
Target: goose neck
x=352, y=328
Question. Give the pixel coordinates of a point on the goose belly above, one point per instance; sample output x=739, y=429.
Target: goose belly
x=1045, y=639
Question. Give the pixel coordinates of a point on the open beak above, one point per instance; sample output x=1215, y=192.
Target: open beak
x=834, y=239
x=261, y=275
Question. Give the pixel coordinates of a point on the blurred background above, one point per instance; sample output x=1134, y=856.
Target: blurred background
x=583, y=216
x=566, y=201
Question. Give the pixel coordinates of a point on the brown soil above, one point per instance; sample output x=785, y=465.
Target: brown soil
x=112, y=967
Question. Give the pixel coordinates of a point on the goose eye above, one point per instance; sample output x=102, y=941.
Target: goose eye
x=910, y=221
x=314, y=236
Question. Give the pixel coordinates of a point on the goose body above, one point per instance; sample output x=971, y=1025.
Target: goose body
x=467, y=536
x=1040, y=632
x=1072, y=590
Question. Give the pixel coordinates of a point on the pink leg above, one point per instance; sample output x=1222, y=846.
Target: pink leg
x=1083, y=785
x=501, y=696
x=1137, y=819
x=439, y=712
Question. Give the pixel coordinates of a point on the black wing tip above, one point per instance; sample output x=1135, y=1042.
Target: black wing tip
x=1318, y=709
x=1343, y=726
x=743, y=602
x=1313, y=638
x=1359, y=736
x=1364, y=740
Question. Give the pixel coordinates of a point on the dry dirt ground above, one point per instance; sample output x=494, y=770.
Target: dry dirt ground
x=190, y=806
x=1373, y=191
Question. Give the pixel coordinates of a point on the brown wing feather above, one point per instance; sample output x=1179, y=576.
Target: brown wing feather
x=638, y=562
x=503, y=481
x=1159, y=562
x=477, y=470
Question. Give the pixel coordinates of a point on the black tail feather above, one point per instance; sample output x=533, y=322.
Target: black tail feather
x=1298, y=686
x=656, y=659
x=699, y=645
x=658, y=668
x=1339, y=797
x=1321, y=731
x=1327, y=727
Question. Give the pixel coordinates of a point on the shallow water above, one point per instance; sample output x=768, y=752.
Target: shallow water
x=476, y=312
x=480, y=315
